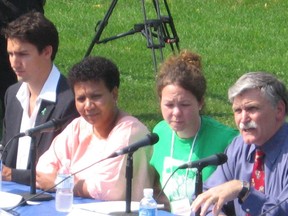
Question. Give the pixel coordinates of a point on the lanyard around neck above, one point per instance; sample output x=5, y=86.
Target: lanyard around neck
x=191, y=150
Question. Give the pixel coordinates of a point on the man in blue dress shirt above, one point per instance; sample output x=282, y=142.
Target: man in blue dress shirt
x=259, y=102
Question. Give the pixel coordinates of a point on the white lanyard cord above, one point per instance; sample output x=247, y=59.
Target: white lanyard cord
x=190, y=154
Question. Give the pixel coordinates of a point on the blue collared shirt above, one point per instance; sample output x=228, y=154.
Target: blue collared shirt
x=240, y=164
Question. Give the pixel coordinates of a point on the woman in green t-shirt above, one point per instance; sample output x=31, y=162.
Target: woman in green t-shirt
x=184, y=135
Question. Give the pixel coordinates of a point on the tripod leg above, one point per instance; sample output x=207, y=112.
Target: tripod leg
x=172, y=26
x=167, y=26
x=100, y=27
x=152, y=30
x=155, y=57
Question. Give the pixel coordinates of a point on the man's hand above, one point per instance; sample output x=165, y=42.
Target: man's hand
x=80, y=189
x=6, y=173
x=45, y=181
x=217, y=196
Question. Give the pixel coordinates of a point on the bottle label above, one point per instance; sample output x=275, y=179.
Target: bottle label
x=147, y=212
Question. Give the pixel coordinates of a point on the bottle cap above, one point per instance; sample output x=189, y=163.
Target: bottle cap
x=148, y=192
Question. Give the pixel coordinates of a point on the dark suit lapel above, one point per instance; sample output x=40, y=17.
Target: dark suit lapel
x=44, y=113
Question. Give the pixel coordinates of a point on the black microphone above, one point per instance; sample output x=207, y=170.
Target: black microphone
x=50, y=126
x=216, y=160
x=149, y=139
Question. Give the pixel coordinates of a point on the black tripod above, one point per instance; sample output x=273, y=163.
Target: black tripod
x=157, y=31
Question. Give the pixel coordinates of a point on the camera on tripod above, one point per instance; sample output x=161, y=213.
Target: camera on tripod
x=158, y=31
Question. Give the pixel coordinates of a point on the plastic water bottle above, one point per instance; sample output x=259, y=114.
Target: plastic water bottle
x=64, y=193
x=148, y=206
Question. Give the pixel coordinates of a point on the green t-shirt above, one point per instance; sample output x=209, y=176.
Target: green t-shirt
x=213, y=137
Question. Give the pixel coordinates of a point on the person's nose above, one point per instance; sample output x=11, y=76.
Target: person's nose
x=14, y=61
x=245, y=117
x=176, y=111
x=88, y=104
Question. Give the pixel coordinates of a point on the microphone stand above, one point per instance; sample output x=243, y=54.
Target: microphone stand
x=129, y=176
x=31, y=196
x=198, y=186
x=33, y=166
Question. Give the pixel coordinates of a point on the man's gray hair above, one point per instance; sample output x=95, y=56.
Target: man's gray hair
x=271, y=87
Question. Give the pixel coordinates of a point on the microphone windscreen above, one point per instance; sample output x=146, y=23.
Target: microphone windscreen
x=222, y=158
x=154, y=138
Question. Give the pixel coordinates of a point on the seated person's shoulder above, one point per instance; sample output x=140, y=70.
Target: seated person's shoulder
x=213, y=124
x=162, y=125
x=129, y=121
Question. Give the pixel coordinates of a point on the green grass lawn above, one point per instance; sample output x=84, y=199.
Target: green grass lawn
x=232, y=36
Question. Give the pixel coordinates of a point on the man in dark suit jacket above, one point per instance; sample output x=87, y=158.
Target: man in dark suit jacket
x=41, y=94
x=9, y=11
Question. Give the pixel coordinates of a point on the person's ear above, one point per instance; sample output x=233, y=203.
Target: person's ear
x=281, y=110
x=47, y=51
x=201, y=104
x=115, y=93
